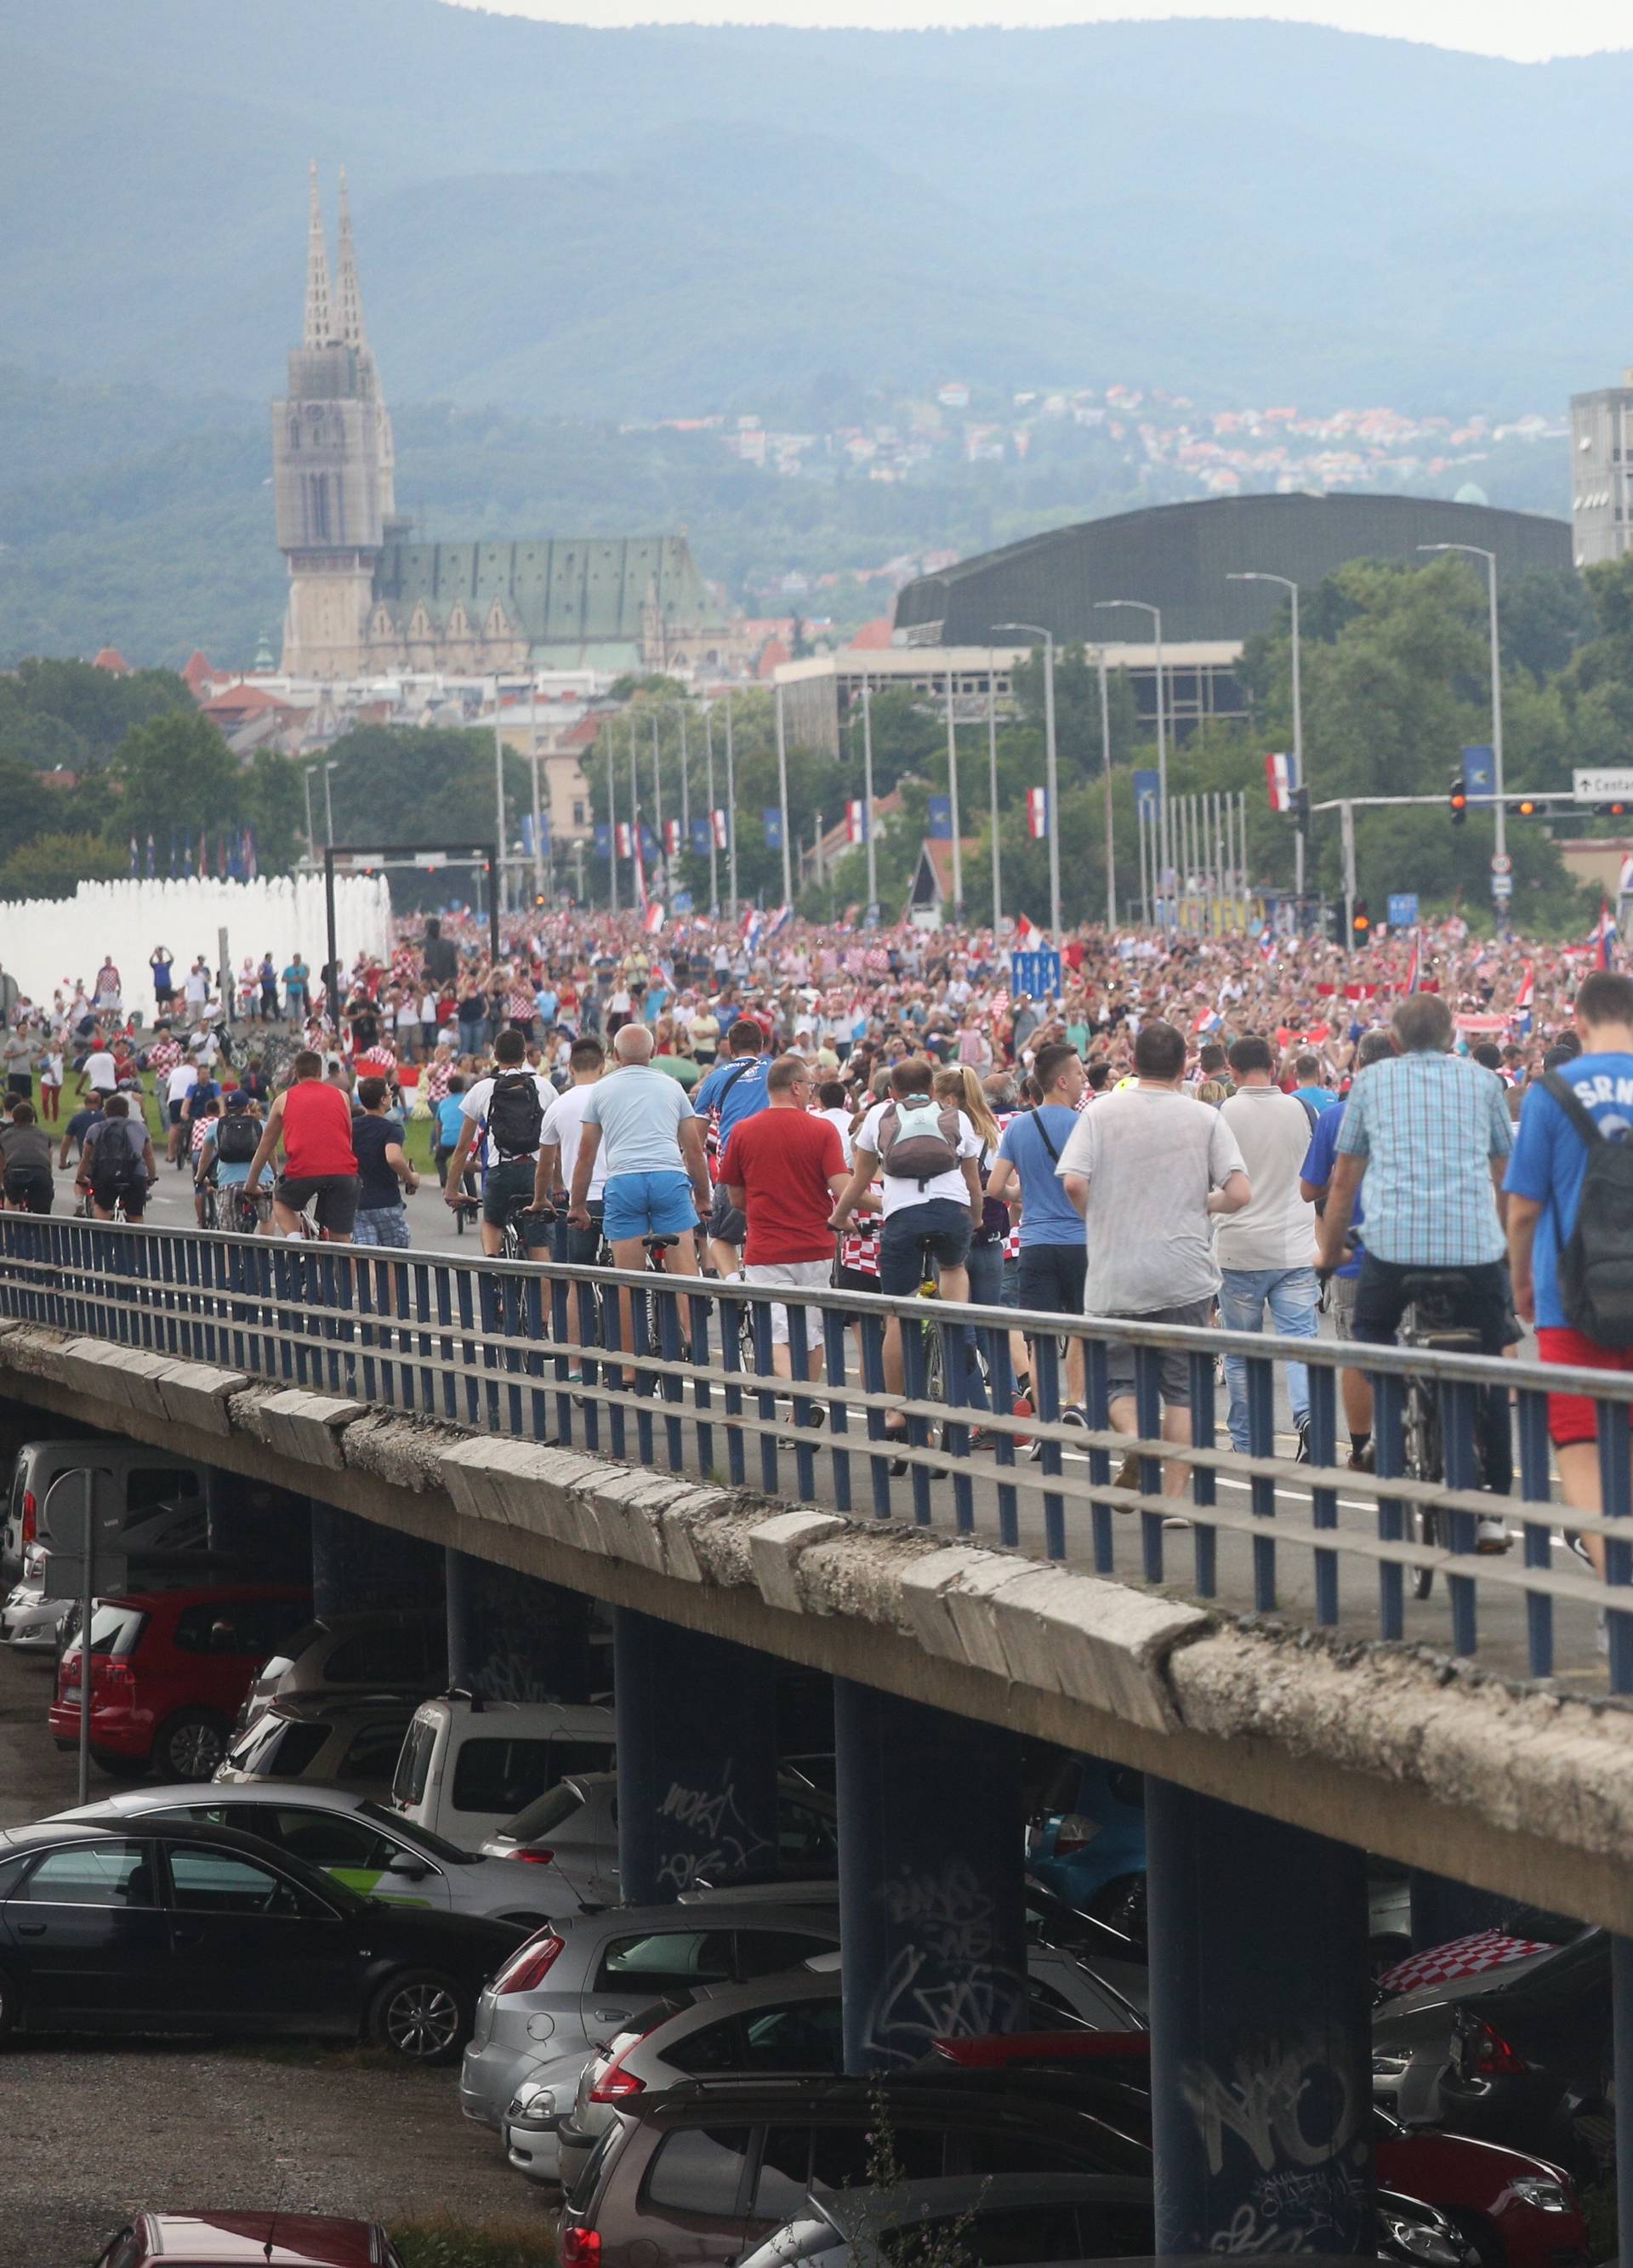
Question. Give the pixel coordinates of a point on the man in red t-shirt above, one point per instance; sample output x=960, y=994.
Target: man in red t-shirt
x=313, y=1118
x=782, y=1167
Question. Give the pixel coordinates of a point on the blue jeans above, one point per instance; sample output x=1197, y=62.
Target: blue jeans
x=1290, y=1294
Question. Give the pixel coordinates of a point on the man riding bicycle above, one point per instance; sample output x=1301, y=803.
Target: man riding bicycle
x=510, y=1104
x=312, y=1120
x=116, y=1168
x=1431, y=1135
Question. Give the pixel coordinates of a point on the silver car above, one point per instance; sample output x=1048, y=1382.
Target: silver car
x=789, y=2026
x=570, y=1984
x=983, y=2217
x=169, y=1541
x=575, y=1826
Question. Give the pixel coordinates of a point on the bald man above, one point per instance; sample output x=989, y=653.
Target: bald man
x=657, y=1178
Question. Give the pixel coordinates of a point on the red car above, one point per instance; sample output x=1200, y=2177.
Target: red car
x=1515, y=2210
x=168, y=1670
x=236, y=2240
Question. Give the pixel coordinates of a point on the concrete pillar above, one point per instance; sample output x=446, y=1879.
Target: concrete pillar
x=1260, y=2022
x=356, y=1565
x=1621, y=2058
x=513, y=1638
x=266, y=1529
x=930, y=1876
x=696, y=1758
x=1443, y=1909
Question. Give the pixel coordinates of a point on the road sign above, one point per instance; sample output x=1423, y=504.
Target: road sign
x=1603, y=786
x=1035, y=974
x=1479, y=775
x=1403, y=910
x=1501, y=862
x=1502, y=886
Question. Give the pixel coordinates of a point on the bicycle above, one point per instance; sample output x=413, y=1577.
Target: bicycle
x=1427, y=1322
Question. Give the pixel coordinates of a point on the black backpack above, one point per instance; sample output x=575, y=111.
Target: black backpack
x=238, y=1137
x=1596, y=1265
x=515, y=1114
x=115, y=1159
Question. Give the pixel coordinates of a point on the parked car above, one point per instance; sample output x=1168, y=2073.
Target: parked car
x=987, y=2219
x=391, y=1650
x=168, y=1670
x=143, y=1479
x=344, y=1740
x=704, y=2172
x=1085, y=1838
x=468, y=1766
x=134, y=1927
x=161, y=1549
x=785, y=2023
x=357, y=1841
x=1519, y=2056
x=249, y=2240
x=550, y=2005
x=576, y=1826
x=1515, y=2210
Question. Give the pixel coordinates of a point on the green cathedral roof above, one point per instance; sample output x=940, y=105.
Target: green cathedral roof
x=560, y=590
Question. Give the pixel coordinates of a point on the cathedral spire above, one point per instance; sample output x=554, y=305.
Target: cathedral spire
x=349, y=296
x=320, y=321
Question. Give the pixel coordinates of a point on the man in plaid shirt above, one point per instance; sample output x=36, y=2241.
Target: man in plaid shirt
x=1431, y=1133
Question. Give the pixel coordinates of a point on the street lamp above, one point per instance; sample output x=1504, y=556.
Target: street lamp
x=1144, y=607
x=1291, y=589
x=1477, y=551
x=1051, y=764
x=329, y=769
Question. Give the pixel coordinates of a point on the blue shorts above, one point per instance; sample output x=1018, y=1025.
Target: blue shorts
x=649, y=1204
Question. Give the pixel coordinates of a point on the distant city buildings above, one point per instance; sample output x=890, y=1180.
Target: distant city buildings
x=1602, y=510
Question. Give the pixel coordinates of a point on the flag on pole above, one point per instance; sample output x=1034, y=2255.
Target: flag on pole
x=653, y=920
x=603, y=839
x=1523, y=1002
x=702, y=833
x=1037, y=813
x=773, y=827
x=1024, y=935
x=1601, y=937
x=938, y=817
x=1282, y=774
x=252, y=861
x=779, y=921
x=754, y=922
x=640, y=869
x=151, y=854
x=721, y=838
x=136, y=857
x=626, y=839
x=672, y=838
x=1268, y=947
x=1415, y=966
x=856, y=822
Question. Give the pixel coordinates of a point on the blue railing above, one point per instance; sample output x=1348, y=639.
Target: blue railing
x=678, y=1371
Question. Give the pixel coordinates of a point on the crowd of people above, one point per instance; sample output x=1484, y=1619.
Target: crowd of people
x=1178, y=1129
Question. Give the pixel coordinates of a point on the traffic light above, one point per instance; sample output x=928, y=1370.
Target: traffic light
x=1526, y=807
x=1611, y=810
x=1298, y=808
x=1457, y=799
x=1360, y=923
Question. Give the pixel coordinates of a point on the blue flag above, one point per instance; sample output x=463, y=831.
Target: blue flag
x=774, y=828
x=649, y=842
x=1147, y=793
x=940, y=813
x=603, y=839
x=700, y=836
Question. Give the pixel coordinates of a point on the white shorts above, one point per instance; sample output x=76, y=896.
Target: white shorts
x=793, y=1276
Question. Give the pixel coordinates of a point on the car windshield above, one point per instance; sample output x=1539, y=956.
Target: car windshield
x=420, y=1838
x=544, y=1814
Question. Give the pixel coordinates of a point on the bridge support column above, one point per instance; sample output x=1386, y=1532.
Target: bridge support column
x=1261, y=2021
x=1442, y=1909
x=512, y=1636
x=1622, y=2027
x=696, y=1758
x=358, y=1564
x=931, y=1913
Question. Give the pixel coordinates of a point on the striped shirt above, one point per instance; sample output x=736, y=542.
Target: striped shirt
x=1429, y=1127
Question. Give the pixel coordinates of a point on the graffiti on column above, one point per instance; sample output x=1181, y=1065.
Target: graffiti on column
x=953, y=1975
x=1300, y=2120
x=521, y=1654
x=707, y=1838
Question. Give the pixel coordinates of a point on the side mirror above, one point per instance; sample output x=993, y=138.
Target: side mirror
x=406, y=1864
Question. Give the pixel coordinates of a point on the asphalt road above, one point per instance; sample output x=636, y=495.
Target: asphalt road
x=97, y=2130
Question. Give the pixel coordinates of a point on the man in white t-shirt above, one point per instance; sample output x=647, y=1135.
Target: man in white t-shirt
x=558, y=1155
x=178, y=1085
x=99, y=1074
x=934, y=1213
x=1264, y=1252
x=196, y=990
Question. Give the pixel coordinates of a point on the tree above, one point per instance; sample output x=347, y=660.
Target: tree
x=54, y=866
x=433, y=787
x=27, y=807
x=275, y=807
x=96, y=707
x=175, y=771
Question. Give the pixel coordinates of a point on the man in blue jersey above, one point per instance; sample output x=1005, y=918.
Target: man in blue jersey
x=734, y=1091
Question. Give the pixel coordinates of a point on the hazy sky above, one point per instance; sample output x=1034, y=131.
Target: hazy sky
x=1527, y=30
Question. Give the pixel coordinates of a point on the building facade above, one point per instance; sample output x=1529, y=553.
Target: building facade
x=1601, y=456
x=364, y=600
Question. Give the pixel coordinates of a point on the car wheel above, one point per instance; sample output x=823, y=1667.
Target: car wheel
x=119, y=1767
x=190, y=1744
x=421, y=2015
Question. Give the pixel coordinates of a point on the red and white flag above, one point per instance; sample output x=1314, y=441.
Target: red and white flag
x=1281, y=774
x=625, y=843
x=856, y=822
x=717, y=822
x=1037, y=813
x=672, y=838
x=653, y=920
x=1024, y=935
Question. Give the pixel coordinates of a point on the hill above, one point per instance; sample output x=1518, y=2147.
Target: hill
x=666, y=220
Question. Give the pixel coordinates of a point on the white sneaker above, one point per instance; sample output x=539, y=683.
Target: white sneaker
x=1491, y=1535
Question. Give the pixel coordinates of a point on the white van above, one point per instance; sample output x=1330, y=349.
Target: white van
x=145, y=1479
x=467, y=1766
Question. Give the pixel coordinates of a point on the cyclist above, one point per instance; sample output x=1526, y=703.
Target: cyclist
x=385, y=1174
x=116, y=1165
x=510, y=1103
x=225, y=1156
x=312, y=1120
x=25, y=1148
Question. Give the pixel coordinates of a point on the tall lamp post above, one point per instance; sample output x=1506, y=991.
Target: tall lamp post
x=1477, y=551
x=1050, y=759
x=867, y=794
x=1163, y=845
x=1111, y=855
x=329, y=770
x=1291, y=589
x=992, y=776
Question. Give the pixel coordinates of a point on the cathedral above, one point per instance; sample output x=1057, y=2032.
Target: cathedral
x=365, y=600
